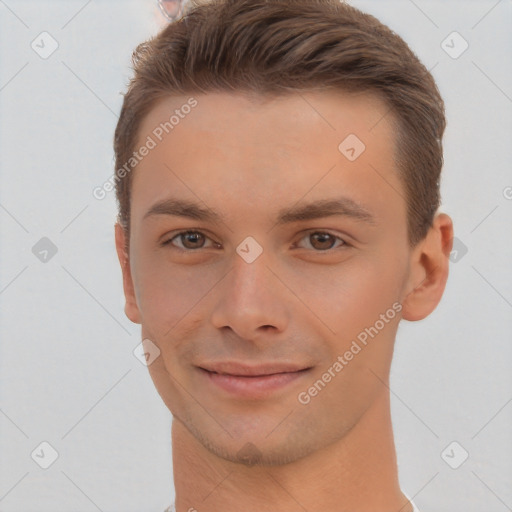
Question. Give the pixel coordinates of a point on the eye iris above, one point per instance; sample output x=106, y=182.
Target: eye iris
x=193, y=238
x=325, y=239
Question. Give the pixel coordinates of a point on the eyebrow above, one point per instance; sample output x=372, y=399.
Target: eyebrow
x=342, y=206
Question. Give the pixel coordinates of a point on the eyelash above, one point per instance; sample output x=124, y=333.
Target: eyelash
x=168, y=242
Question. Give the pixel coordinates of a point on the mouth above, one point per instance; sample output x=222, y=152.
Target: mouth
x=262, y=370
x=252, y=382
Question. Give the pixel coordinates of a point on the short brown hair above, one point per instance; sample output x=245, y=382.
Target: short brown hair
x=274, y=47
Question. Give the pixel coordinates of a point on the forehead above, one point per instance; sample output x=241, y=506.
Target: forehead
x=236, y=150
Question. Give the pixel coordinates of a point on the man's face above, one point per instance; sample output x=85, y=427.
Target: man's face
x=318, y=283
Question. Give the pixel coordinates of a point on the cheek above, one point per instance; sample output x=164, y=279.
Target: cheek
x=360, y=307
x=166, y=292
x=352, y=295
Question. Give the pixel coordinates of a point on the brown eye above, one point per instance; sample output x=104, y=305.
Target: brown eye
x=188, y=240
x=192, y=240
x=323, y=241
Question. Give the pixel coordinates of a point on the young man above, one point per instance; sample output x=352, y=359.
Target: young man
x=278, y=166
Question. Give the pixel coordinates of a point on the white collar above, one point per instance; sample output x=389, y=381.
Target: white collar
x=414, y=507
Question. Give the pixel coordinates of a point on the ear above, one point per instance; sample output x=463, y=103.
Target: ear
x=428, y=270
x=130, y=308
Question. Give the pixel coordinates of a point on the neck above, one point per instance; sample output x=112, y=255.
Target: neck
x=357, y=473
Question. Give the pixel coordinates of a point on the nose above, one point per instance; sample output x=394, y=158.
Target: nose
x=251, y=300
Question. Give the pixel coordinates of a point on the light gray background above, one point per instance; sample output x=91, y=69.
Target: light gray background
x=68, y=375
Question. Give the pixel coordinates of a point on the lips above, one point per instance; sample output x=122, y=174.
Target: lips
x=252, y=382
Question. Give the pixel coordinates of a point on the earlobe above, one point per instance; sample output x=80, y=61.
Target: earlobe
x=131, y=309
x=428, y=270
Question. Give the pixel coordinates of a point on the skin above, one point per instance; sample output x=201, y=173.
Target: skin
x=303, y=300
